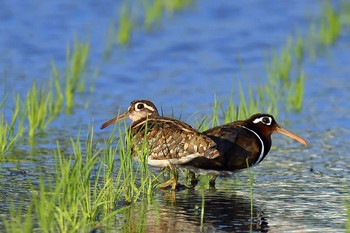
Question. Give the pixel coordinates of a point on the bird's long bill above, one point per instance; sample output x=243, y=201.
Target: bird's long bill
x=114, y=120
x=291, y=135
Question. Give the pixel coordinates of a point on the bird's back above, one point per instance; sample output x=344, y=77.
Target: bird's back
x=167, y=138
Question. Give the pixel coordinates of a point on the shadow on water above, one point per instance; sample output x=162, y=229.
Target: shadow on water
x=181, y=212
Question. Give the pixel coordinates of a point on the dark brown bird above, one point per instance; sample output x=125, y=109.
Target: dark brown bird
x=169, y=142
x=241, y=144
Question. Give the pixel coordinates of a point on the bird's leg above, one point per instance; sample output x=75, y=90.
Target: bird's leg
x=172, y=181
x=212, y=181
x=193, y=179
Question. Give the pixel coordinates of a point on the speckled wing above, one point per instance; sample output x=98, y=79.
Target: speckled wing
x=168, y=138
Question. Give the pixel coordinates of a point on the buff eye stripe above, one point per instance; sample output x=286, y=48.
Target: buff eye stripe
x=143, y=107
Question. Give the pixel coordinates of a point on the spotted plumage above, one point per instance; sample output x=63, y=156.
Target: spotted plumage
x=169, y=142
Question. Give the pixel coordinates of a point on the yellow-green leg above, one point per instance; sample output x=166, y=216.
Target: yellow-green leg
x=171, y=182
x=193, y=179
x=212, y=181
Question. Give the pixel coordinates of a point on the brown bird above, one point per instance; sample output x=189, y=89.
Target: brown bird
x=241, y=144
x=169, y=142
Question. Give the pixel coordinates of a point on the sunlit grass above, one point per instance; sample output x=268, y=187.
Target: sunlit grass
x=44, y=102
x=282, y=64
x=125, y=25
x=58, y=98
x=135, y=178
x=89, y=183
x=6, y=140
x=21, y=220
x=295, y=96
x=75, y=66
x=330, y=27
x=299, y=48
x=86, y=188
x=37, y=108
x=223, y=113
x=8, y=132
x=172, y=6
x=152, y=14
x=286, y=78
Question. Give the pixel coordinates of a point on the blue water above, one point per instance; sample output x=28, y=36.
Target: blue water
x=203, y=51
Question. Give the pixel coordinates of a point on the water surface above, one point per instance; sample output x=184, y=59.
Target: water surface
x=200, y=52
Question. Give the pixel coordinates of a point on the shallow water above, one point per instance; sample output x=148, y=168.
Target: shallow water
x=181, y=66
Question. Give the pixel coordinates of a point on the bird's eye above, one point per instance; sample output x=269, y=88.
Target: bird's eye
x=140, y=106
x=266, y=120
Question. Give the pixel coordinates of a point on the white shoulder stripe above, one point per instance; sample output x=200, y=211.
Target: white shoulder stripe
x=261, y=156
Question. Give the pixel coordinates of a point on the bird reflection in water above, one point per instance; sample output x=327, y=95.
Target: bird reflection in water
x=223, y=212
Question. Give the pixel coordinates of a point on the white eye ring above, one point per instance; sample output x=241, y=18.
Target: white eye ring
x=139, y=106
x=143, y=106
x=263, y=120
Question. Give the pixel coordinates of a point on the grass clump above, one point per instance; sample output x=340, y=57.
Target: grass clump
x=135, y=178
x=8, y=134
x=224, y=113
x=37, y=108
x=6, y=141
x=43, y=103
x=58, y=99
x=86, y=190
x=330, y=27
x=150, y=14
x=285, y=76
x=76, y=65
x=295, y=96
x=125, y=26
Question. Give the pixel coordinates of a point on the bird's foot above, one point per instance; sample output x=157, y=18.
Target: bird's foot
x=193, y=180
x=170, y=183
x=173, y=185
